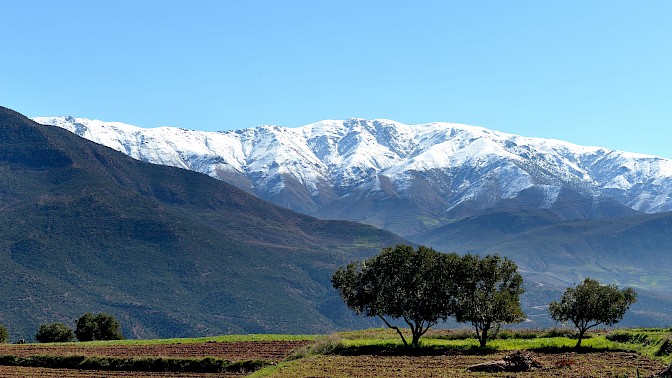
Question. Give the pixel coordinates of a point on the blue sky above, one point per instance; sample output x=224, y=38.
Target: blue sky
x=589, y=72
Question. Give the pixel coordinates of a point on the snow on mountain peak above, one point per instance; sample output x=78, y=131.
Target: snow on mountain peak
x=314, y=167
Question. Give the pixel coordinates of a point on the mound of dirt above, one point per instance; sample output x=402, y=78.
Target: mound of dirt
x=515, y=362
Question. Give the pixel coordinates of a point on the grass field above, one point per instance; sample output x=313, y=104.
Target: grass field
x=369, y=353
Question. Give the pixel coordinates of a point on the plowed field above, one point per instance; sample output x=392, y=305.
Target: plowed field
x=271, y=351
x=21, y=372
x=567, y=365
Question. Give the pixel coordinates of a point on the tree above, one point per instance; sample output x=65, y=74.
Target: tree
x=107, y=328
x=489, y=295
x=417, y=286
x=99, y=327
x=590, y=304
x=54, y=333
x=4, y=335
x=85, y=327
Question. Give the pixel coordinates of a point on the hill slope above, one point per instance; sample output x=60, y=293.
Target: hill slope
x=168, y=251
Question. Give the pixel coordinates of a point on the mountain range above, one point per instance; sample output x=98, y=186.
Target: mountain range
x=169, y=252
x=563, y=212
x=408, y=179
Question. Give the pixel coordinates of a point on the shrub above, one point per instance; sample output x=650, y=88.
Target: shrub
x=560, y=332
x=4, y=335
x=326, y=345
x=665, y=348
x=54, y=333
x=627, y=337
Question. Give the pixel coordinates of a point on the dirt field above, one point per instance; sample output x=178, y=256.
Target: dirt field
x=271, y=351
x=22, y=372
x=568, y=365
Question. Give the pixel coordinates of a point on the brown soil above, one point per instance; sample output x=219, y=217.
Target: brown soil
x=568, y=365
x=21, y=372
x=271, y=351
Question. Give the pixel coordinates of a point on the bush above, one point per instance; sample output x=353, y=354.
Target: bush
x=665, y=348
x=560, y=332
x=54, y=333
x=325, y=345
x=627, y=337
x=4, y=335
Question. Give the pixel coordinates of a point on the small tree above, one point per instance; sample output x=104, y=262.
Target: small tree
x=54, y=333
x=107, y=328
x=416, y=286
x=489, y=294
x=590, y=304
x=4, y=335
x=99, y=327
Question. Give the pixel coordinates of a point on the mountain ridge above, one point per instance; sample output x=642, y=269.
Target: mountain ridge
x=434, y=171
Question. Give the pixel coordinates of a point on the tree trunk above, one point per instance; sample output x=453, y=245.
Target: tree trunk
x=578, y=342
x=484, y=337
x=416, y=340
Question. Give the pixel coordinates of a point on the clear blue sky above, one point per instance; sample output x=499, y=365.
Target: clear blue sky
x=589, y=72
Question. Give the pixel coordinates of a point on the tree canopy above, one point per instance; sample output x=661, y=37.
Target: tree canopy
x=100, y=327
x=489, y=294
x=590, y=304
x=418, y=286
x=54, y=333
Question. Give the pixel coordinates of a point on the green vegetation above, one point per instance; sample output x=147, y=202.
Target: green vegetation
x=649, y=342
x=417, y=286
x=424, y=286
x=591, y=304
x=99, y=327
x=4, y=335
x=489, y=294
x=54, y=333
x=161, y=364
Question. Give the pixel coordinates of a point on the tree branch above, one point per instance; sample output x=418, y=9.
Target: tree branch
x=395, y=328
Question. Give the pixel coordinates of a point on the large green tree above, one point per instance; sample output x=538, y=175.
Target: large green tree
x=489, y=294
x=54, y=333
x=85, y=327
x=417, y=286
x=100, y=327
x=590, y=304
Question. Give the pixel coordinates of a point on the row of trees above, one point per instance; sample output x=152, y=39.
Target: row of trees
x=88, y=328
x=422, y=287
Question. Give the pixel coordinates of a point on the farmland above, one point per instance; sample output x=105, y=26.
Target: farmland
x=370, y=353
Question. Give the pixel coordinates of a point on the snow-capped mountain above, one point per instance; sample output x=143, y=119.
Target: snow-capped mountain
x=406, y=178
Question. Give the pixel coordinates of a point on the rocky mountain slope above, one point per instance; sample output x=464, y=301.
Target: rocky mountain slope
x=405, y=178
x=167, y=251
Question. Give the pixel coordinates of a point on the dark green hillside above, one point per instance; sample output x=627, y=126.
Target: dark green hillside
x=167, y=251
